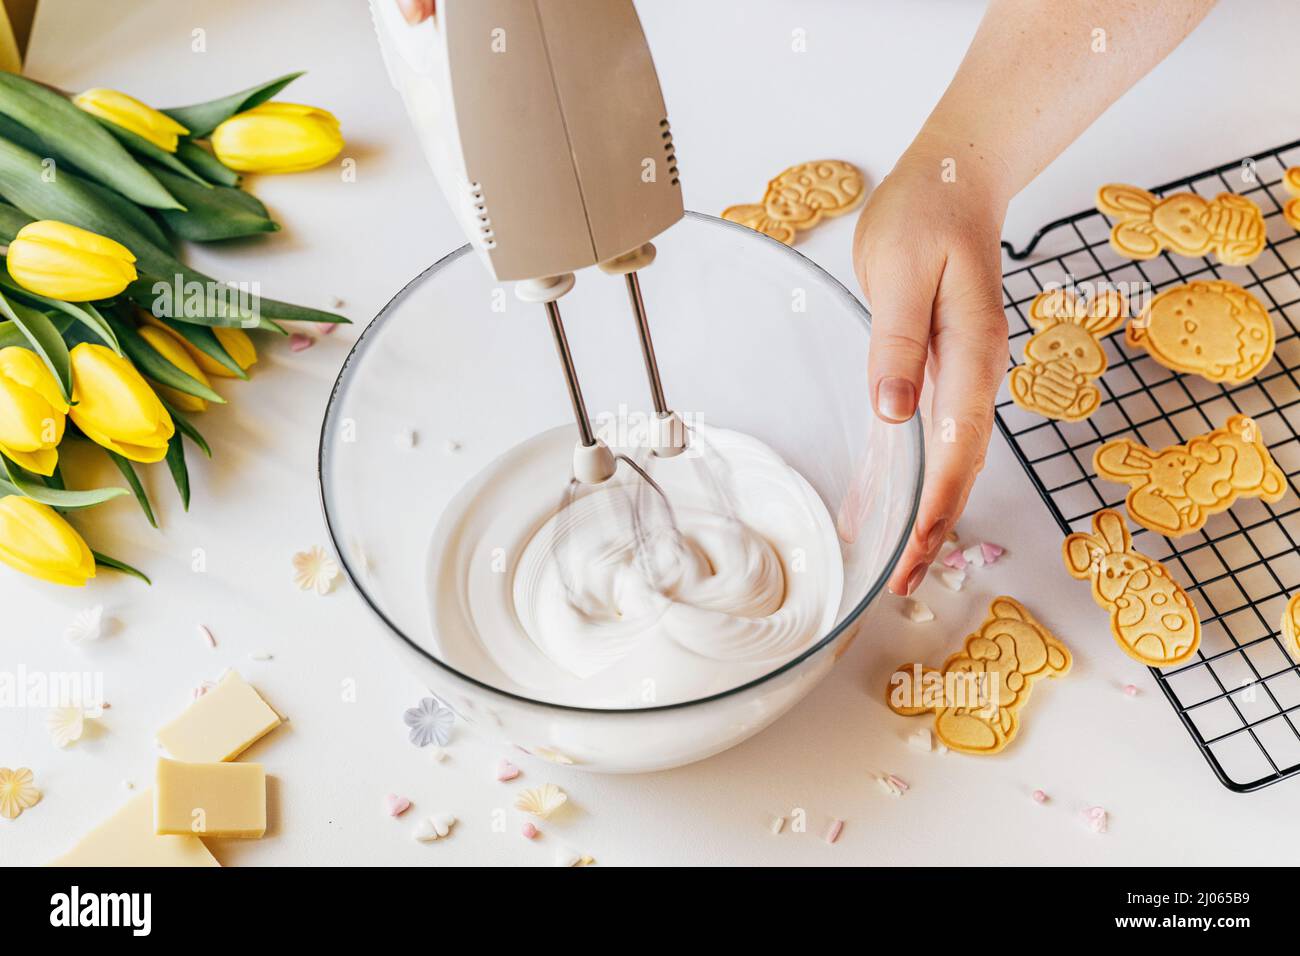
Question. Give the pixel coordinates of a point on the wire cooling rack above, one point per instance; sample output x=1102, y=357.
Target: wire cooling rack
x=1240, y=698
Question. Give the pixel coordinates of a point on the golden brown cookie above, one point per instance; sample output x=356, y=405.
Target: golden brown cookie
x=1152, y=618
x=1065, y=354
x=1173, y=491
x=978, y=694
x=799, y=197
x=1209, y=327
x=1229, y=225
x=1291, y=624
x=1291, y=211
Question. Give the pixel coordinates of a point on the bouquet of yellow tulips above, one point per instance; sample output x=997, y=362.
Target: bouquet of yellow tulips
x=104, y=333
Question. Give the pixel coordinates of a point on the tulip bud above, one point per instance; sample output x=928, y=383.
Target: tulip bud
x=278, y=138
x=69, y=263
x=130, y=114
x=115, y=407
x=35, y=540
x=171, y=346
x=237, y=343
x=32, y=411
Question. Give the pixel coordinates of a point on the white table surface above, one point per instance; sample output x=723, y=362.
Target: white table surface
x=743, y=106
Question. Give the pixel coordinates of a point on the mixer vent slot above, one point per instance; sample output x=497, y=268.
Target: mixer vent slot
x=670, y=151
x=486, y=234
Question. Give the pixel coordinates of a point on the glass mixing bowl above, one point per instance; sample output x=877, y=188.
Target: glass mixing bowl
x=750, y=335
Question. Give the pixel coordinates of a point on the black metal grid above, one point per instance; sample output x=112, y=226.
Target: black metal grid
x=1240, y=698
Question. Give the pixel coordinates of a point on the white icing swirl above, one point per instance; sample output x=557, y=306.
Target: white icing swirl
x=612, y=592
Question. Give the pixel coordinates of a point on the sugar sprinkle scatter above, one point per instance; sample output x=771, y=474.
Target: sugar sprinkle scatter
x=86, y=626
x=206, y=634
x=1096, y=818
x=396, y=805
x=918, y=612
x=834, y=830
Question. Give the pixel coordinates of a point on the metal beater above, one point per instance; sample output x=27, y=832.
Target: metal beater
x=544, y=118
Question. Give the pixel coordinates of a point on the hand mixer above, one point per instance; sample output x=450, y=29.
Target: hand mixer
x=545, y=125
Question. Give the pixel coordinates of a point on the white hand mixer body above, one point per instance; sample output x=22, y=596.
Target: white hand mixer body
x=545, y=125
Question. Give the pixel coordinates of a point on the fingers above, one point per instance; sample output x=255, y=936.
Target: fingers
x=970, y=358
x=416, y=10
x=901, y=291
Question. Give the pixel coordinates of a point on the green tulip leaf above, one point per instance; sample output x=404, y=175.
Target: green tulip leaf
x=70, y=199
x=104, y=561
x=150, y=362
x=11, y=220
x=119, y=204
x=83, y=312
x=184, y=425
x=202, y=118
x=205, y=340
x=205, y=164
x=128, y=472
x=176, y=465
x=11, y=334
x=77, y=135
x=151, y=151
x=45, y=340
x=214, y=212
x=25, y=484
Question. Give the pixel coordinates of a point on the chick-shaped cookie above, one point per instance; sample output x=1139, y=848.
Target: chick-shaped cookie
x=1151, y=617
x=1065, y=355
x=1209, y=327
x=799, y=197
x=978, y=694
x=1229, y=225
x=1173, y=491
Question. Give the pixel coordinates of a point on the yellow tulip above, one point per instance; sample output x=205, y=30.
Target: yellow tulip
x=129, y=113
x=32, y=411
x=237, y=343
x=172, y=347
x=35, y=540
x=115, y=407
x=278, y=138
x=69, y=263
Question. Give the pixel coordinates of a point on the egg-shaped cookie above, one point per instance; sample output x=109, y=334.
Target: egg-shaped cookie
x=1208, y=327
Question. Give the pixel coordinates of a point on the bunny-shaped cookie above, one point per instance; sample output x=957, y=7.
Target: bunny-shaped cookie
x=1191, y=225
x=799, y=197
x=1151, y=617
x=1174, y=491
x=1065, y=354
x=994, y=671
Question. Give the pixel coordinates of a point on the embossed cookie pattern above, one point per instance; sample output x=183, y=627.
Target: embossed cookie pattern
x=1229, y=225
x=978, y=694
x=1209, y=327
x=1151, y=616
x=799, y=197
x=1065, y=355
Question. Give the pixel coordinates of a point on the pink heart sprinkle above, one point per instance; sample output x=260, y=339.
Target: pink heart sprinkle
x=530, y=832
x=507, y=771
x=329, y=328
x=991, y=552
x=955, y=559
x=298, y=342
x=1130, y=690
x=1040, y=796
x=396, y=805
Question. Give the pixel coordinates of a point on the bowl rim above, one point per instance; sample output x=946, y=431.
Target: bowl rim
x=913, y=426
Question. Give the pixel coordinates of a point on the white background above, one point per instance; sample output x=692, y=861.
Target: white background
x=743, y=106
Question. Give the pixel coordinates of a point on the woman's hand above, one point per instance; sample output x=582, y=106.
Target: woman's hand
x=926, y=252
x=416, y=10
